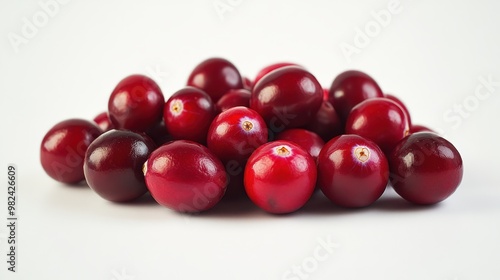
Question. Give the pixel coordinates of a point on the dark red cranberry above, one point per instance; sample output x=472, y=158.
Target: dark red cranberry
x=380, y=120
x=215, y=76
x=326, y=123
x=188, y=114
x=425, y=168
x=288, y=97
x=268, y=69
x=352, y=171
x=136, y=104
x=280, y=177
x=63, y=148
x=234, y=134
x=247, y=83
x=113, y=165
x=159, y=134
x=102, y=120
x=185, y=176
x=401, y=104
x=351, y=88
x=414, y=128
x=307, y=140
x=233, y=98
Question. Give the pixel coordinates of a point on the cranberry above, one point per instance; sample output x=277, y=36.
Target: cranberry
x=307, y=140
x=103, y=121
x=185, y=176
x=233, y=98
x=159, y=134
x=188, y=114
x=380, y=120
x=113, y=165
x=425, y=168
x=234, y=134
x=351, y=88
x=326, y=123
x=280, y=177
x=414, y=128
x=63, y=149
x=401, y=104
x=268, y=69
x=352, y=171
x=215, y=76
x=287, y=97
x=136, y=104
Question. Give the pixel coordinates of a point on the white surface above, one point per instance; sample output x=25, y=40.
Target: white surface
x=432, y=55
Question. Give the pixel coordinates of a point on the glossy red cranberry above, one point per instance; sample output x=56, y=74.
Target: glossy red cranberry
x=380, y=120
x=233, y=98
x=414, y=128
x=247, y=83
x=280, y=177
x=235, y=133
x=352, y=171
x=326, y=123
x=401, y=104
x=215, y=76
x=188, y=114
x=288, y=97
x=136, y=104
x=425, y=168
x=351, y=88
x=268, y=69
x=185, y=176
x=63, y=148
x=113, y=165
x=102, y=120
x=159, y=134
x=307, y=140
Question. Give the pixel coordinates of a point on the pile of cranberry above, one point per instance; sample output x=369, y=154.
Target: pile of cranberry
x=224, y=136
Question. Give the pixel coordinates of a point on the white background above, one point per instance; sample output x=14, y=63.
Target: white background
x=431, y=54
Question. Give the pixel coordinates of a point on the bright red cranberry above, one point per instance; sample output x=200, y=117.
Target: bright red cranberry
x=280, y=177
x=159, y=134
x=414, y=128
x=102, y=120
x=234, y=134
x=351, y=88
x=136, y=104
x=185, y=176
x=425, y=168
x=307, y=140
x=188, y=114
x=233, y=98
x=380, y=120
x=401, y=104
x=247, y=83
x=113, y=165
x=288, y=97
x=63, y=148
x=215, y=76
x=268, y=69
x=326, y=123
x=352, y=171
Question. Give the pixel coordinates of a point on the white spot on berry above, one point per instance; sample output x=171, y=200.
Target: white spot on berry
x=362, y=153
